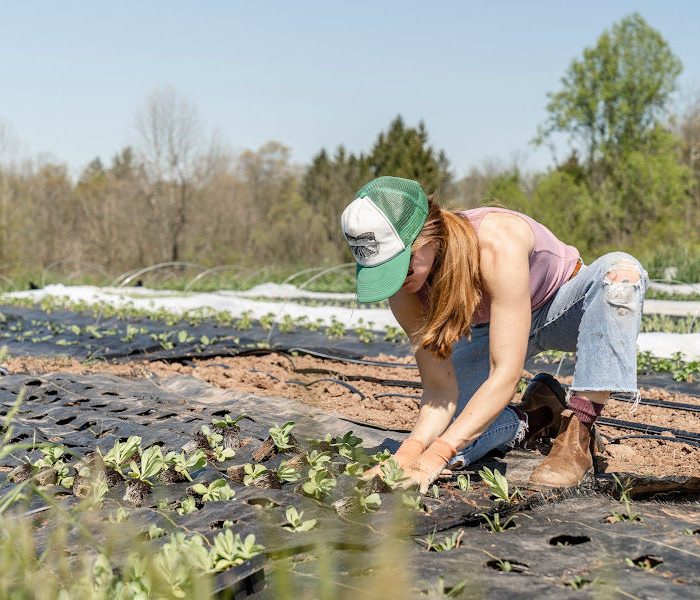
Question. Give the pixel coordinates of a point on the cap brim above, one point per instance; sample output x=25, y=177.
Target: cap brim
x=379, y=283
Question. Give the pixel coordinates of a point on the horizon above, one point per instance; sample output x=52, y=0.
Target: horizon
x=310, y=79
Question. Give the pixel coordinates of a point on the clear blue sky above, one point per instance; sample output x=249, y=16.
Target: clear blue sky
x=308, y=74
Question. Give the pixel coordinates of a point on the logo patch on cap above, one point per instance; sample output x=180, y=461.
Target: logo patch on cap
x=363, y=246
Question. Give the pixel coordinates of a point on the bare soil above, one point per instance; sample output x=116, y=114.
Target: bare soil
x=341, y=388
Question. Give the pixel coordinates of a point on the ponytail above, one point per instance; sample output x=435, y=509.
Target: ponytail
x=455, y=283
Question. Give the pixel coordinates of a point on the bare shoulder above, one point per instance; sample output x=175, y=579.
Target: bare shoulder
x=505, y=233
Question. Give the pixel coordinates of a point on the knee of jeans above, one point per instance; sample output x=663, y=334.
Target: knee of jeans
x=624, y=282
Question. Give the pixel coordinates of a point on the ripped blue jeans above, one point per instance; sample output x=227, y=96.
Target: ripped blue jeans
x=590, y=315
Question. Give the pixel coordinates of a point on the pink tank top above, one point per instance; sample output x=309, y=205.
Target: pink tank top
x=551, y=262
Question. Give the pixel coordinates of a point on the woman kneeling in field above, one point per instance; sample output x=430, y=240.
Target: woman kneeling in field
x=478, y=292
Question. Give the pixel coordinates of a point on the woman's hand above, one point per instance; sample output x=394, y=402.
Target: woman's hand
x=408, y=452
x=429, y=465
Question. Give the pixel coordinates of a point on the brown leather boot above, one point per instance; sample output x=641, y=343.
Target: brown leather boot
x=543, y=401
x=570, y=459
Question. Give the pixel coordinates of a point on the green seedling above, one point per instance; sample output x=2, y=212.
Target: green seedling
x=392, y=473
x=286, y=325
x=151, y=464
x=355, y=469
x=346, y=445
x=579, y=582
x=411, y=502
x=335, y=330
x=369, y=503
x=504, y=566
x=365, y=335
x=380, y=456
x=435, y=491
x=495, y=524
x=394, y=334
x=295, y=521
x=120, y=454
x=287, y=474
x=267, y=321
x=188, y=505
x=230, y=551
x=448, y=543
x=498, y=485
x=227, y=421
x=244, y=321
x=184, y=338
x=253, y=473
x=214, y=439
x=205, y=341
x=182, y=463
x=281, y=435
x=464, y=482
x=155, y=532
x=318, y=460
x=50, y=456
x=217, y=491
x=648, y=563
x=320, y=484
x=119, y=515
x=628, y=515
x=223, y=454
x=439, y=590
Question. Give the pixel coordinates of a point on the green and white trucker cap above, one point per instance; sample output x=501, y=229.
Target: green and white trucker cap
x=380, y=225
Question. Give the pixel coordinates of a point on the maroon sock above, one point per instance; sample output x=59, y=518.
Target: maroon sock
x=586, y=411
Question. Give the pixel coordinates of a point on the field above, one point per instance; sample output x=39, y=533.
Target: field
x=178, y=455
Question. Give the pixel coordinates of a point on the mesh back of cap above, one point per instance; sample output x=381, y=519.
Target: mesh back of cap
x=402, y=201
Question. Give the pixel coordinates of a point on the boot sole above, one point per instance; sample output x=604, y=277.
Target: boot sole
x=588, y=480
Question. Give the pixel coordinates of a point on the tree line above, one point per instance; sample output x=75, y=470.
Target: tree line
x=628, y=178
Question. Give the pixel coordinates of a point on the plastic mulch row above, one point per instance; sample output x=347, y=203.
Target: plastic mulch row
x=82, y=411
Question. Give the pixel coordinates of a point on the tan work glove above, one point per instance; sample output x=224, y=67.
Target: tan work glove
x=410, y=449
x=429, y=465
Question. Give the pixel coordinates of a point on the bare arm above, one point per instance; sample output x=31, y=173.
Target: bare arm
x=506, y=278
x=439, y=400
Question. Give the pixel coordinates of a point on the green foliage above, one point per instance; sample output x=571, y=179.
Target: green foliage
x=151, y=464
x=320, y=484
x=286, y=473
x=614, y=95
x=217, y=491
x=253, y=473
x=119, y=454
x=230, y=551
x=498, y=485
x=182, y=463
x=494, y=523
x=392, y=474
x=295, y=521
x=281, y=435
x=448, y=543
x=227, y=421
x=464, y=482
x=403, y=151
x=188, y=505
x=676, y=366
